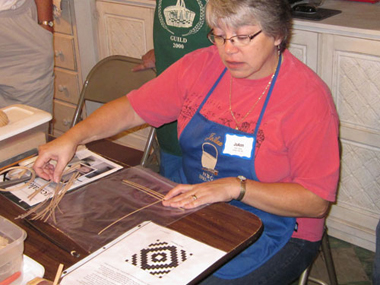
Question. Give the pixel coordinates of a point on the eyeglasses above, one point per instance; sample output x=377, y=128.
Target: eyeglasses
x=238, y=40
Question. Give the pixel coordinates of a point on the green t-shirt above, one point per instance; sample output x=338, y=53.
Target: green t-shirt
x=179, y=28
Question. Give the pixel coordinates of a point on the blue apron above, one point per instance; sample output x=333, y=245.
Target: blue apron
x=205, y=158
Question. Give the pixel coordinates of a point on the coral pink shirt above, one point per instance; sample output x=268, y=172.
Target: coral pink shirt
x=298, y=137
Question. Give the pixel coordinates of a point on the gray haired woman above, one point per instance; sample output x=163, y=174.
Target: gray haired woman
x=269, y=121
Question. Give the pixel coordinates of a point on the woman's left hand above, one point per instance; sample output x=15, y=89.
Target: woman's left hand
x=190, y=196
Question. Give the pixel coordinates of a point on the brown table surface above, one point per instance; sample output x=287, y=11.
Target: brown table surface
x=220, y=225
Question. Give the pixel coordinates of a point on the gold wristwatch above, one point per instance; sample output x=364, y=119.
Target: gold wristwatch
x=243, y=181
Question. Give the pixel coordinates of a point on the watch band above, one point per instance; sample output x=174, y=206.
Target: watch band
x=242, y=187
x=47, y=23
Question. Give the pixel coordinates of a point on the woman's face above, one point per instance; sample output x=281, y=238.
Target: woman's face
x=256, y=60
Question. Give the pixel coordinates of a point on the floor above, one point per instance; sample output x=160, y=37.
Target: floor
x=353, y=264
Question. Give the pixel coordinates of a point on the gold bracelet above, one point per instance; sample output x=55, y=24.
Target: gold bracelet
x=46, y=23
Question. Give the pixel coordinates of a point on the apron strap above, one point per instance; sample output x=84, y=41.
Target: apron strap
x=212, y=89
x=268, y=96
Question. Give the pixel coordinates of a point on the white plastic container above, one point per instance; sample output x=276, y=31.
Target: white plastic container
x=11, y=256
x=26, y=130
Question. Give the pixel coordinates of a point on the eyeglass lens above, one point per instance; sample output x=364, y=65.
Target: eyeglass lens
x=238, y=40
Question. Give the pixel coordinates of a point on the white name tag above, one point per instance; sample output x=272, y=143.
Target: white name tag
x=239, y=145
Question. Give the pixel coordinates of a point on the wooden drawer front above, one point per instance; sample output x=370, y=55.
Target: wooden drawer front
x=66, y=86
x=63, y=115
x=64, y=52
x=62, y=19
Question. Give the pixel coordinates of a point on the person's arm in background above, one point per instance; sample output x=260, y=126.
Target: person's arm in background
x=149, y=61
x=45, y=13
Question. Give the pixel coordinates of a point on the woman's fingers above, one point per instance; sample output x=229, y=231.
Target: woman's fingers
x=191, y=196
x=179, y=189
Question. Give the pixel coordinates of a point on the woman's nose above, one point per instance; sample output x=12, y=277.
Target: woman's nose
x=229, y=47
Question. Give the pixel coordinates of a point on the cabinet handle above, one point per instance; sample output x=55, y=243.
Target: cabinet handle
x=58, y=53
x=62, y=88
x=66, y=122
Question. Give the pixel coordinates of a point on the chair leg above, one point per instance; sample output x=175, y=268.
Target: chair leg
x=148, y=147
x=328, y=259
x=317, y=281
x=326, y=250
x=304, y=276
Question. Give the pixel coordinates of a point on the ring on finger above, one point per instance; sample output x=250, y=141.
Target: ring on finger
x=194, y=197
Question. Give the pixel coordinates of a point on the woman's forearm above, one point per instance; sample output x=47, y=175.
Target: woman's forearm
x=285, y=199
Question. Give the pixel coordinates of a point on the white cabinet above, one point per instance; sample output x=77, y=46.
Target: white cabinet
x=304, y=45
x=75, y=54
x=126, y=28
x=68, y=79
x=352, y=70
x=345, y=52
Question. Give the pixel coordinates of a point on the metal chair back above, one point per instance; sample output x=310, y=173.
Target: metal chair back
x=109, y=79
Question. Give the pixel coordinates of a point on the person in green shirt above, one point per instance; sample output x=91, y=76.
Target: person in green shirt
x=179, y=28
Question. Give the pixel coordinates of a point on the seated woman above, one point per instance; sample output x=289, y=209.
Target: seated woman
x=257, y=129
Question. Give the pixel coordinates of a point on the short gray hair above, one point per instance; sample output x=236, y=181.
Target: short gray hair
x=273, y=16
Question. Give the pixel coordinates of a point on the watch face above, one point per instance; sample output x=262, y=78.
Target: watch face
x=242, y=178
x=50, y=24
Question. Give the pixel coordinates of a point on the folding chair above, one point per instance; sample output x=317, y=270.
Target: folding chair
x=109, y=79
x=151, y=156
x=112, y=78
x=326, y=250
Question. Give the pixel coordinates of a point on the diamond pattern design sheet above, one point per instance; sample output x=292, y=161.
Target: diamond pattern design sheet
x=147, y=254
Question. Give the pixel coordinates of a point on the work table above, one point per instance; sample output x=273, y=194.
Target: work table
x=219, y=225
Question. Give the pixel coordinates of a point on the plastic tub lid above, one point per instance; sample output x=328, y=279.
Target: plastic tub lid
x=22, y=118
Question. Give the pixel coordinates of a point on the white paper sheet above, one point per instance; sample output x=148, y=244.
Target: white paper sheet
x=147, y=254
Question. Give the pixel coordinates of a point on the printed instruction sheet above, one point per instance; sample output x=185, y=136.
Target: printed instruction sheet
x=147, y=254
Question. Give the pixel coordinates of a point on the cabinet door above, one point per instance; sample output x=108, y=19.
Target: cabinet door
x=351, y=67
x=63, y=116
x=304, y=46
x=352, y=70
x=66, y=86
x=124, y=29
x=64, y=51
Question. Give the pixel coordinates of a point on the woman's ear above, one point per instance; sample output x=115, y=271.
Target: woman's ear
x=277, y=42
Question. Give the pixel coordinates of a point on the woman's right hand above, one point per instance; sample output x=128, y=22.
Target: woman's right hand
x=53, y=157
